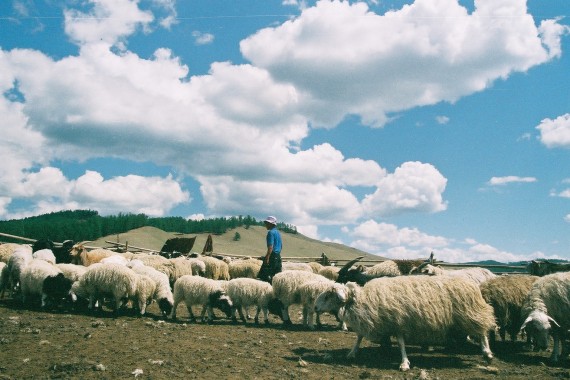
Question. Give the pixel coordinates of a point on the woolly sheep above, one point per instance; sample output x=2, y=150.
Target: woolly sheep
x=150, y=260
x=246, y=292
x=146, y=287
x=80, y=255
x=329, y=272
x=316, y=267
x=45, y=254
x=286, y=286
x=3, y=277
x=248, y=268
x=215, y=269
x=476, y=274
x=113, y=280
x=309, y=292
x=388, y=268
x=163, y=293
x=16, y=264
x=423, y=310
x=506, y=294
x=546, y=309
x=176, y=268
x=43, y=279
x=289, y=265
x=196, y=290
x=72, y=271
x=115, y=259
x=7, y=249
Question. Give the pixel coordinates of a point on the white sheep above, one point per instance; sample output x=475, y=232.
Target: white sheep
x=43, y=279
x=45, y=254
x=7, y=249
x=388, y=268
x=163, y=293
x=16, y=264
x=216, y=269
x=196, y=290
x=115, y=259
x=286, y=286
x=149, y=260
x=146, y=288
x=420, y=309
x=309, y=292
x=102, y=280
x=329, y=272
x=506, y=294
x=476, y=274
x=315, y=266
x=290, y=265
x=72, y=271
x=246, y=292
x=547, y=310
x=4, y=276
x=248, y=268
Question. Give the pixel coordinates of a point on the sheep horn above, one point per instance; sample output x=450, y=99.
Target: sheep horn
x=525, y=323
x=553, y=321
x=347, y=266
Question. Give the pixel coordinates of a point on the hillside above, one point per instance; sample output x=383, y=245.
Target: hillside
x=251, y=243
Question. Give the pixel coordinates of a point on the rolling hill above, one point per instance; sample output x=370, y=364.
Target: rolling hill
x=251, y=243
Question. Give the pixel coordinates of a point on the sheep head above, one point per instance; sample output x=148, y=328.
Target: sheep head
x=538, y=326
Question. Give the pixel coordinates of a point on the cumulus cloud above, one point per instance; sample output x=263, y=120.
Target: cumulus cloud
x=333, y=56
x=413, y=187
x=555, y=133
x=501, y=181
x=201, y=38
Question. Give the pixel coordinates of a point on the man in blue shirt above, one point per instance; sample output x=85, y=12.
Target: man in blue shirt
x=274, y=244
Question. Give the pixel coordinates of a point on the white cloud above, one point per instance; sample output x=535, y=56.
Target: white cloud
x=442, y=119
x=555, y=133
x=201, y=38
x=413, y=187
x=333, y=56
x=500, y=181
x=384, y=234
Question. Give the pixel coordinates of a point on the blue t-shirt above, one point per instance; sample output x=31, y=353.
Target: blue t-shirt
x=274, y=238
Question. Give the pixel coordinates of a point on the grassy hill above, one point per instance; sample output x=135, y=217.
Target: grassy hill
x=251, y=243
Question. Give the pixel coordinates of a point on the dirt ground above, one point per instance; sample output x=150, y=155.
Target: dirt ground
x=63, y=344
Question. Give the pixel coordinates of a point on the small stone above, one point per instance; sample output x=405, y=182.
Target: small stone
x=100, y=367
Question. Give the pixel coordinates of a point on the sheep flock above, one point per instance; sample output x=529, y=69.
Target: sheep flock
x=401, y=301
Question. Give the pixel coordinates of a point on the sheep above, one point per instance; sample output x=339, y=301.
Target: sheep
x=329, y=272
x=62, y=253
x=115, y=259
x=246, y=292
x=309, y=292
x=146, y=288
x=546, y=309
x=4, y=275
x=425, y=310
x=150, y=260
x=7, y=249
x=41, y=278
x=544, y=267
x=16, y=264
x=45, y=254
x=72, y=271
x=163, y=293
x=113, y=280
x=80, y=255
x=195, y=290
x=506, y=294
x=476, y=274
x=176, y=268
x=316, y=267
x=215, y=269
x=286, y=286
x=248, y=268
x=288, y=265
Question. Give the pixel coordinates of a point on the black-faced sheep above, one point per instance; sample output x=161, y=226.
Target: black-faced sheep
x=43, y=279
x=72, y=271
x=423, y=310
x=246, y=292
x=163, y=293
x=361, y=275
x=62, y=253
x=547, y=310
x=196, y=290
x=506, y=294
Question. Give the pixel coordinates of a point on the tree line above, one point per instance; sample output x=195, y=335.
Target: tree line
x=81, y=225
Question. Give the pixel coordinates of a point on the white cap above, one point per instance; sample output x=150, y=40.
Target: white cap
x=271, y=220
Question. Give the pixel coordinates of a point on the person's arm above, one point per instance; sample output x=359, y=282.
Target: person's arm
x=269, y=250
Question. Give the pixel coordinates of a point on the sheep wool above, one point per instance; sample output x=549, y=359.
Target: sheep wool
x=146, y=288
x=248, y=268
x=80, y=255
x=329, y=272
x=546, y=309
x=387, y=268
x=43, y=279
x=196, y=290
x=7, y=249
x=163, y=293
x=246, y=292
x=72, y=271
x=418, y=309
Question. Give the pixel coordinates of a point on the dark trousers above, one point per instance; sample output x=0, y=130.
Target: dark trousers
x=268, y=270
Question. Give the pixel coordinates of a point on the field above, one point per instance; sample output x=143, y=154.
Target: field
x=64, y=344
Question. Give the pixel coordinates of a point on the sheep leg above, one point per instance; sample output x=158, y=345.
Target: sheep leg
x=341, y=324
x=285, y=313
x=487, y=354
x=190, y=313
x=405, y=365
x=173, y=313
x=556, y=350
x=319, y=324
x=265, y=314
x=203, y=313
x=233, y=313
x=241, y=316
x=352, y=353
x=44, y=300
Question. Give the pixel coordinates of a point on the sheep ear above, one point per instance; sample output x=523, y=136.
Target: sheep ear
x=553, y=321
x=525, y=323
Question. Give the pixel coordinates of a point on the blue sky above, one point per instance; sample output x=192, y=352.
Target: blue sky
x=396, y=127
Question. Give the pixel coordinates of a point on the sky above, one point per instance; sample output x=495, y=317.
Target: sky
x=395, y=127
